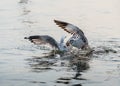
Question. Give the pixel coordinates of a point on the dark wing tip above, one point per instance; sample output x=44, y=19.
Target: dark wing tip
x=61, y=23
x=55, y=20
x=26, y=37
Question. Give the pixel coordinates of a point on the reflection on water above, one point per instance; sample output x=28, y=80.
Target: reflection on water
x=70, y=65
x=22, y=63
x=49, y=62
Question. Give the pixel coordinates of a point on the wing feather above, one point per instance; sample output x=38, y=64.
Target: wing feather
x=43, y=39
x=70, y=28
x=74, y=30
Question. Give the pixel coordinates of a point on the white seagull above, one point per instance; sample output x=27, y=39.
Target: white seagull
x=77, y=40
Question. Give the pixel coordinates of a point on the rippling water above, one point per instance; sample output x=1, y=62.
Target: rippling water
x=20, y=62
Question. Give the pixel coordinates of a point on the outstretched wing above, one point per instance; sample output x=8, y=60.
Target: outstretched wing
x=70, y=28
x=43, y=39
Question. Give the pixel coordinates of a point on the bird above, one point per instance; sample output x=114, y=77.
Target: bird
x=78, y=39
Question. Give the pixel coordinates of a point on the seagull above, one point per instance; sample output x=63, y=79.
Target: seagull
x=78, y=39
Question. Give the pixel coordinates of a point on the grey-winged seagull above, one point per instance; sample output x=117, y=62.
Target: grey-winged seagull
x=77, y=40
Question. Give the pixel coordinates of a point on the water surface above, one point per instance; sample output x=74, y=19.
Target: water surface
x=19, y=63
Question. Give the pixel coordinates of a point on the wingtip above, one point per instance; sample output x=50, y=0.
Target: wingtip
x=25, y=37
x=56, y=21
